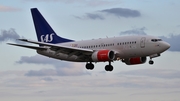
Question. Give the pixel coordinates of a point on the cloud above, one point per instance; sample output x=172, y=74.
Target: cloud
x=174, y=41
x=91, y=3
x=157, y=73
x=72, y=71
x=101, y=87
x=91, y=16
x=128, y=79
x=136, y=31
x=8, y=9
x=9, y=35
x=117, y=12
x=37, y=59
x=97, y=3
x=61, y=68
x=122, y=12
x=94, y=16
x=48, y=79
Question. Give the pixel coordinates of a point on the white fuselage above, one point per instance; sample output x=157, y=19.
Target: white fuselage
x=125, y=47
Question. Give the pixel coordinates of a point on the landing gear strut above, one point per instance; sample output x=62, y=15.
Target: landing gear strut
x=109, y=67
x=151, y=61
x=153, y=56
x=90, y=66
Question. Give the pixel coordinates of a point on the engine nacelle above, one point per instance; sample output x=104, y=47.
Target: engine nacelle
x=103, y=55
x=134, y=61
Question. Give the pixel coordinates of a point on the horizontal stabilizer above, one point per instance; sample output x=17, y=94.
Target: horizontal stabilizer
x=26, y=46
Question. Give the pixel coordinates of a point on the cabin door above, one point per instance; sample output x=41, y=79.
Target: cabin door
x=142, y=42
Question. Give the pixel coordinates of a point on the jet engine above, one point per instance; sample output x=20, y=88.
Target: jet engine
x=134, y=61
x=103, y=55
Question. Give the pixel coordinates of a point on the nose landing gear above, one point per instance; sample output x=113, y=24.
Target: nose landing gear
x=151, y=62
x=153, y=56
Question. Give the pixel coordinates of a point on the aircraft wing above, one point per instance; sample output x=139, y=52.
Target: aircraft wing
x=26, y=46
x=81, y=53
x=59, y=48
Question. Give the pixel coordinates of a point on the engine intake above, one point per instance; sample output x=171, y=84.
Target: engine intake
x=136, y=60
x=103, y=55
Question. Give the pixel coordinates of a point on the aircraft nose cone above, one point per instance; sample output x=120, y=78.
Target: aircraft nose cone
x=166, y=45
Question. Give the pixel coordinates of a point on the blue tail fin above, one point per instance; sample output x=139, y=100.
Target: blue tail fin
x=44, y=31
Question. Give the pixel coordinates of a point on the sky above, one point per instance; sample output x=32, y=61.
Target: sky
x=25, y=75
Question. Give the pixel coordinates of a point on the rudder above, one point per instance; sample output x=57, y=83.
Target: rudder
x=44, y=31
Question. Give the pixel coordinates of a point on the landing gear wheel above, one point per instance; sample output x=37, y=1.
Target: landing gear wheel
x=151, y=62
x=108, y=67
x=89, y=66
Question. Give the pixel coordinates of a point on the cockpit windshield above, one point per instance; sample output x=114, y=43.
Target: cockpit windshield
x=155, y=40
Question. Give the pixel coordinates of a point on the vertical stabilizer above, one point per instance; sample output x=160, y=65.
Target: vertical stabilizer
x=44, y=31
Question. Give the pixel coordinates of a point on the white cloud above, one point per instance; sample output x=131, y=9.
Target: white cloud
x=61, y=68
x=91, y=3
x=173, y=40
x=10, y=35
x=134, y=31
x=96, y=87
x=117, y=12
x=8, y=9
x=122, y=12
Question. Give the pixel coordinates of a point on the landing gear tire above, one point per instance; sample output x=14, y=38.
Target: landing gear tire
x=151, y=62
x=89, y=66
x=108, y=67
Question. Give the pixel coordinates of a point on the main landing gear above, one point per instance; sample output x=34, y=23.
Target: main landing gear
x=109, y=67
x=90, y=66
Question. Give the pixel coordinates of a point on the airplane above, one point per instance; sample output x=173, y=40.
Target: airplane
x=131, y=50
